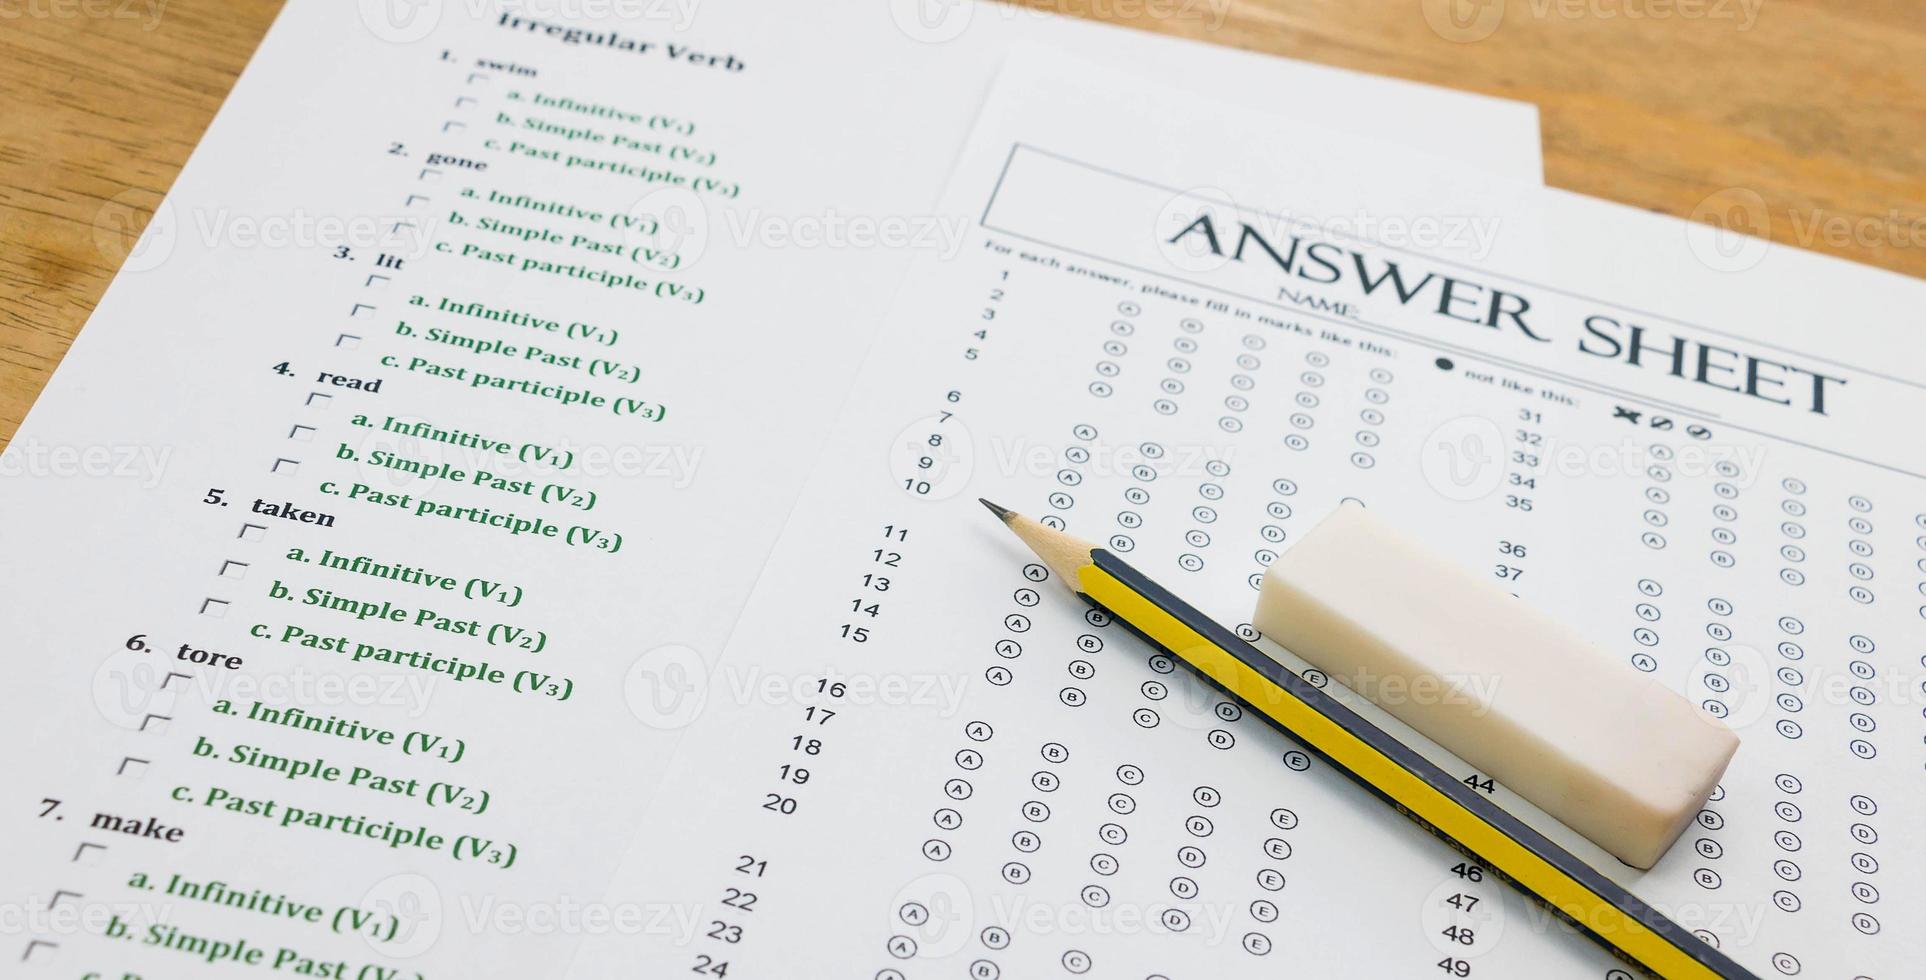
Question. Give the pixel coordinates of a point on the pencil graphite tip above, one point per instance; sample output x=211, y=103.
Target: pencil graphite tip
x=1002, y=513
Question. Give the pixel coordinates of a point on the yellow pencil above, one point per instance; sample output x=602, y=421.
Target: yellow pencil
x=1388, y=768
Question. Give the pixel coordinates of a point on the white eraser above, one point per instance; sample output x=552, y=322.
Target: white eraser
x=1614, y=754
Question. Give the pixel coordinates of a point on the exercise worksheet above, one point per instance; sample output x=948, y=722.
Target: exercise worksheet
x=1186, y=332
x=345, y=545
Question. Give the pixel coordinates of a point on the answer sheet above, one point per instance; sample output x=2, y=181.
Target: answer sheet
x=461, y=383
x=920, y=757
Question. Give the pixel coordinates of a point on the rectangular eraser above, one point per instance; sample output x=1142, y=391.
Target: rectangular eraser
x=1614, y=754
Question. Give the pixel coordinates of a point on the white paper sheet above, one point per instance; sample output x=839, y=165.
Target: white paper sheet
x=920, y=758
x=469, y=336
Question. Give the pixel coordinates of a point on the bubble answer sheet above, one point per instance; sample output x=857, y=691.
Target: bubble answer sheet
x=468, y=337
x=1185, y=332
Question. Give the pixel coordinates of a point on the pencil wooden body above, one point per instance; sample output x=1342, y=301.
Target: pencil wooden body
x=1391, y=770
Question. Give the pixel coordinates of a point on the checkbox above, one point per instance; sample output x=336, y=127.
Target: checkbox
x=285, y=466
x=253, y=532
x=414, y=199
x=430, y=175
x=451, y=126
x=319, y=399
x=216, y=608
x=302, y=433
x=377, y=281
x=477, y=78
x=348, y=340
x=155, y=724
x=133, y=769
x=360, y=309
x=464, y=101
x=89, y=853
x=39, y=952
x=233, y=569
x=64, y=895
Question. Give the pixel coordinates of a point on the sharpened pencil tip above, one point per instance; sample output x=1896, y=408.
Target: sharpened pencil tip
x=1002, y=513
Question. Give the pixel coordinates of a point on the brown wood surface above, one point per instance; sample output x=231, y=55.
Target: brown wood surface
x=1813, y=114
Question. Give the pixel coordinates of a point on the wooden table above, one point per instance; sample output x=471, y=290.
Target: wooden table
x=1690, y=107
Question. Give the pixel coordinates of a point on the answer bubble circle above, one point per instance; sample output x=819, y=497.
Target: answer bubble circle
x=1733, y=683
x=1463, y=458
x=412, y=904
x=400, y=21
x=667, y=687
